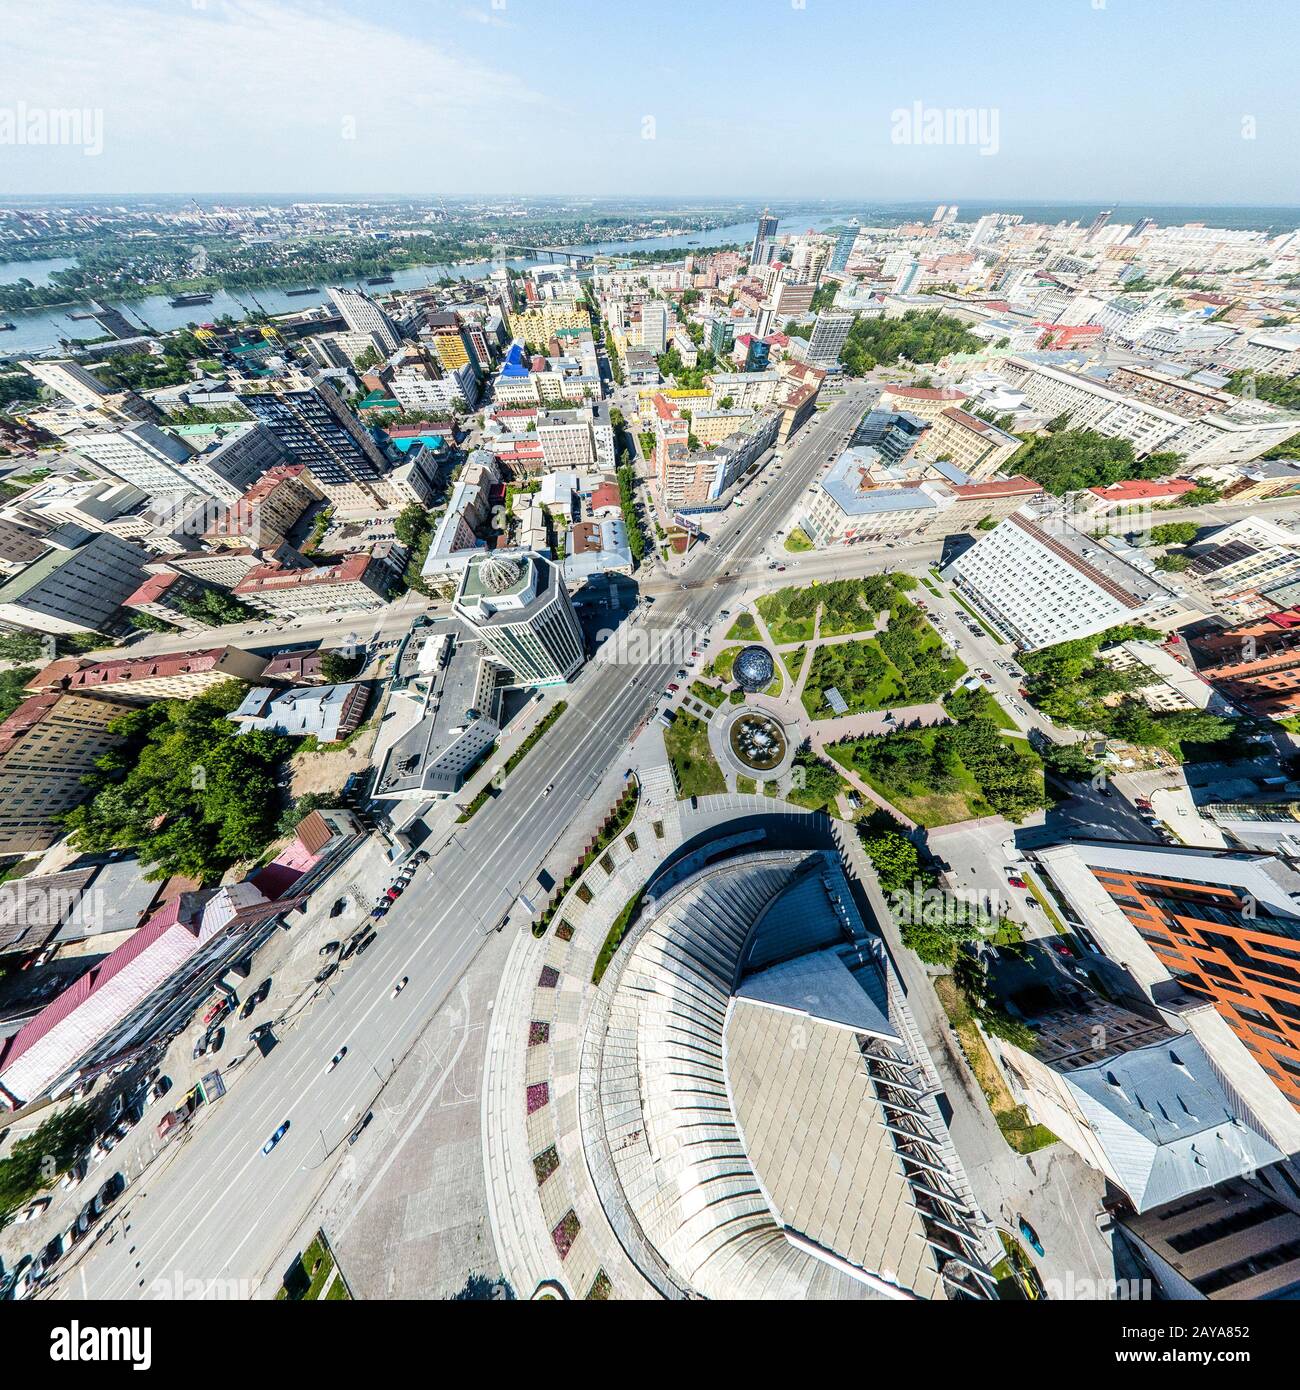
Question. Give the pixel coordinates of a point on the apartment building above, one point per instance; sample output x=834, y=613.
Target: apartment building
x=363, y=316
x=1255, y=664
x=357, y=582
x=140, y=679
x=746, y=390
x=1041, y=581
x=830, y=333
x=267, y=512
x=47, y=747
x=976, y=447
x=578, y=438
x=1231, y=434
x=317, y=429
x=539, y=323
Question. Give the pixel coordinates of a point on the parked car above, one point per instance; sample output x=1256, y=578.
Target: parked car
x=359, y=1130
x=328, y=948
x=1030, y=1235
x=258, y=1033
x=32, y=1210
x=394, y=893
x=160, y=1088
x=421, y=857
x=323, y=975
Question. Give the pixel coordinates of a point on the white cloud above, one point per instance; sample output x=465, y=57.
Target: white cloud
x=254, y=94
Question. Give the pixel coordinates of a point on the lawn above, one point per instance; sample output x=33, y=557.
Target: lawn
x=794, y=660
x=797, y=541
x=686, y=741
x=903, y=666
x=744, y=629
x=1013, y=1120
x=721, y=664
x=785, y=630
x=927, y=808
x=709, y=694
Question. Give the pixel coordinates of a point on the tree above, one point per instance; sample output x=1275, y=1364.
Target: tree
x=185, y=789
x=146, y=622
x=412, y=522
x=1174, y=533
x=919, y=336
x=1066, y=460
x=1070, y=761
x=1173, y=564
x=215, y=607
x=336, y=668
x=22, y=646
x=37, y=1159
x=896, y=860
x=13, y=688
x=301, y=807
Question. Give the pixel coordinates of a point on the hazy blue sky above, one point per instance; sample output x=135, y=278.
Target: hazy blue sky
x=1112, y=100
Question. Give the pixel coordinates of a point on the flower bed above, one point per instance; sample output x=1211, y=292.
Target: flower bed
x=545, y=1163
x=566, y=1233
x=538, y=1032
x=601, y=1288
x=539, y=1094
x=615, y=823
x=564, y=932
x=549, y=978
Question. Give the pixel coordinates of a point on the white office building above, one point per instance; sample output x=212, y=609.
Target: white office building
x=363, y=315
x=1041, y=581
x=518, y=607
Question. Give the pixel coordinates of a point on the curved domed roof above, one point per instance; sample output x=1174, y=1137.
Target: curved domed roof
x=753, y=669
x=500, y=573
x=734, y=1018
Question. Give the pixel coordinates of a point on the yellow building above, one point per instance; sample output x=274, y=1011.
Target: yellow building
x=539, y=323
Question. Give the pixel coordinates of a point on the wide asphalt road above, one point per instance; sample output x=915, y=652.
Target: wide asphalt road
x=214, y=1209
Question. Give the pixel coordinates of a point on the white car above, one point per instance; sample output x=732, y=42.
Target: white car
x=32, y=1210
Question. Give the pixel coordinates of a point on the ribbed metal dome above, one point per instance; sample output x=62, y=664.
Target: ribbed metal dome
x=500, y=573
x=753, y=669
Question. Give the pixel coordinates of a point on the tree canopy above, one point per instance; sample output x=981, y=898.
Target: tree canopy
x=919, y=335
x=185, y=790
x=1067, y=460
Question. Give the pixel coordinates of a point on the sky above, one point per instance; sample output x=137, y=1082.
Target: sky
x=1079, y=100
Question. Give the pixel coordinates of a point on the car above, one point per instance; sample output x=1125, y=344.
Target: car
x=393, y=893
x=328, y=948
x=275, y=1138
x=1030, y=1235
x=421, y=857
x=1016, y=881
x=160, y=1088
x=248, y=1006
x=681, y=675
x=85, y=1218
x=399, y=986
x=260, y=1032
x=673, y=687
x=780, y=569
x=382, y=909
x=348, y=951
x=361, y=1126
x=336, y=1059
x=548, y=789
x=32, y=1210
x=216, y=1040
x=366, y=943
x=323, y=975
x=74, y=1174
x=340, y=904
x=200, y=1048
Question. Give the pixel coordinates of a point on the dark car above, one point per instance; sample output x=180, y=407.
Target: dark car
x=249, y=1005
x=1031, y=1236
x=348, y=951
x=111, y=1190
x=366, y=943
x=215, y=1040
x=381, y=910
x=160, y=1088
x=420, y=858
x=258, y=1033
x=200, y=1048
x=361, y=1126
x=323, y=975
x=275, y=1138
x=328, y=948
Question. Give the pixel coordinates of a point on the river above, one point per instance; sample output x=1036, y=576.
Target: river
x=40, y=330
